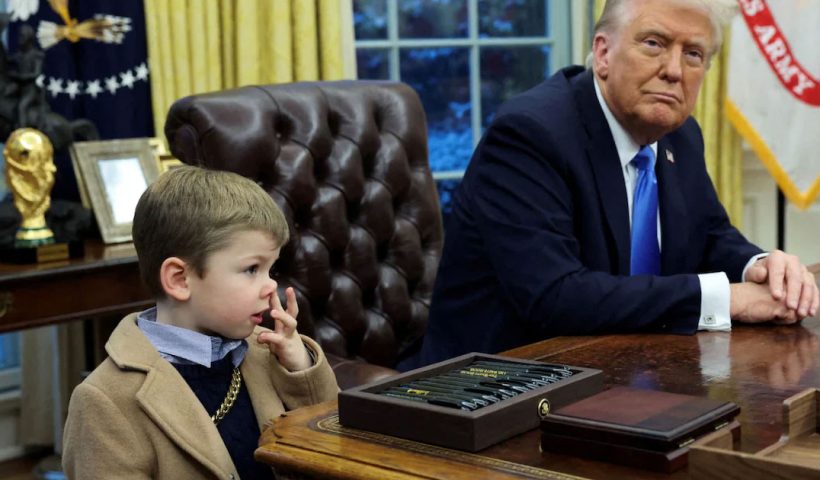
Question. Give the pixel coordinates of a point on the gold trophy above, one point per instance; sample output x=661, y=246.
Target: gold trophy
x=30, y=175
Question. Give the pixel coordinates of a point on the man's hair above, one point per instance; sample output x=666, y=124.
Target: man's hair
x=616, y=14
x=190, y=212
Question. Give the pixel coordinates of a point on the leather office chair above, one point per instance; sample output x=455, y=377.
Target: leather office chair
x=347, y=163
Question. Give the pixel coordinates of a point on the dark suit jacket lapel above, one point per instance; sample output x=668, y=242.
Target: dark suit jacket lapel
x=606, y=168
x=672, y=207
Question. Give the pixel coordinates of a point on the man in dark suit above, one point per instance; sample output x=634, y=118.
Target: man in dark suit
x=553, y=231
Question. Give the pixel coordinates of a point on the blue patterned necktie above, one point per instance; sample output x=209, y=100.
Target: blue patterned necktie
x=646, y=255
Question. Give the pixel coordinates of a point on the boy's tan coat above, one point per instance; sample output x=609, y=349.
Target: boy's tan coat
x=135, y=417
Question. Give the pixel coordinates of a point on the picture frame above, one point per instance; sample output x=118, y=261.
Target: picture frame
x=158, y=147
x=111, y=175
x=168, y=163
x=165, y=160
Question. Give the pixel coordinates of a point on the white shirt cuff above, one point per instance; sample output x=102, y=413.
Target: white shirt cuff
x=714, y=302
x=752, y=261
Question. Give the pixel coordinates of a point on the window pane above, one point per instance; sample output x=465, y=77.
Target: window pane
x=507, y=71
x=373, y=63
x=432, y=18
x=446, y=188
x=441, y=78
x=513, y=18
x=9, y=350
x=370, y=19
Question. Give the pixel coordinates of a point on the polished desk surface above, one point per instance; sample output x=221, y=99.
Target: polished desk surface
x=104, y=281
x=757, y=367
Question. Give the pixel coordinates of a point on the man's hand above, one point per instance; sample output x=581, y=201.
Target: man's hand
x=789, y=281
x=752, y=303
x=284, y=341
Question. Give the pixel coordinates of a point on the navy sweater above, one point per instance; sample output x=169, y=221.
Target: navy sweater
x=238, y=427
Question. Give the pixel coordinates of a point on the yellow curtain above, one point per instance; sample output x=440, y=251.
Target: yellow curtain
x=197, y=46
x=721, y=142
x=597, y=9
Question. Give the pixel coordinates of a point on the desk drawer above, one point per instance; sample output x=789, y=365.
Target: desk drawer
x=41, y=300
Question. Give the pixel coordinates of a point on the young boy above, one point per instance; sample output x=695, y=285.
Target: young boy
x=188, y=384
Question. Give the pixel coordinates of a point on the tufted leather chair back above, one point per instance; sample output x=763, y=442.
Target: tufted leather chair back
x=347, y=163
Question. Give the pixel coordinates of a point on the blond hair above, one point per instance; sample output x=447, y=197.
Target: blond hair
x=190, y=212
x=616, y=14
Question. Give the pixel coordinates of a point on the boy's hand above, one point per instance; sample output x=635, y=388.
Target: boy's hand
x=284, y=341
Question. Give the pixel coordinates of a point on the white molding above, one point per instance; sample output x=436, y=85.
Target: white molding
x=750, y=217
x=10, y=401
x=752, y=164
x=12, y=452
x=814, y=208
x=9, y=378
x=9, y=426
x=760, y=214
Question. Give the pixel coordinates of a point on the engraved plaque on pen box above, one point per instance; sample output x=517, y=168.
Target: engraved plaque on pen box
x=468, y=402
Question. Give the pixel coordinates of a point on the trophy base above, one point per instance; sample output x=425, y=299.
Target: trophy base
x=33, y=236
x=42, y=253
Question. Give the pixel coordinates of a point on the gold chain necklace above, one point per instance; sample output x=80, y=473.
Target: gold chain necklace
x=233, y=391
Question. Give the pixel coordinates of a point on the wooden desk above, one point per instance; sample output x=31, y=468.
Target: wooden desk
x=105, y=281
x=756, y=367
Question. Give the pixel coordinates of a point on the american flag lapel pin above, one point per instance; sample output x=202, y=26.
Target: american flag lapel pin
x=669, y=156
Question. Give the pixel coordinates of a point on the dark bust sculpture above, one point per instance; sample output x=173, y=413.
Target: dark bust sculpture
x=23, y=102
x=29, y=65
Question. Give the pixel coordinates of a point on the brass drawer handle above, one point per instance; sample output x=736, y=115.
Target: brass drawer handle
x=6, y=300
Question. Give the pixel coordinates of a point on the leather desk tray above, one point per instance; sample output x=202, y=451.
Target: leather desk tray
x=642, y=428
x=368, y=408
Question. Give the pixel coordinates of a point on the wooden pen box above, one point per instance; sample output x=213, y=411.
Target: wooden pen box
x=642, y=428
x=382, y=407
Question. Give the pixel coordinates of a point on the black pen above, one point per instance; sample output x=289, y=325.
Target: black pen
x=424, y=400
x=433, y=400
x=520, y=384
x=501, y=387
x=495, y=380
x=490, y=371
x=562, y=370
x=443, y=388
x=542, y=380
x=483, y=393
x=426, y=394
x=471, y=383
x=528, y=382
x=507, y=370
x=447, y=390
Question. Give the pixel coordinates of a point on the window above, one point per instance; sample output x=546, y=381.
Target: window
x=9, y=361
x=9, y=342
x=464, y=58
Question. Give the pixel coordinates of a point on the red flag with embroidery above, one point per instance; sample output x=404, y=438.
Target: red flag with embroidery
x=774, y=90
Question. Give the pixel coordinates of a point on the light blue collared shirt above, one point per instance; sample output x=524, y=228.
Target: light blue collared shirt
x=187, y=347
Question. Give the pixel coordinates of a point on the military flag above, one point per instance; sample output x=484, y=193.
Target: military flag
x=774, y=90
